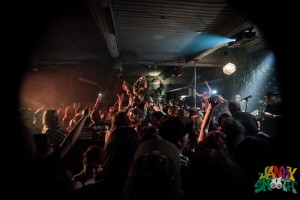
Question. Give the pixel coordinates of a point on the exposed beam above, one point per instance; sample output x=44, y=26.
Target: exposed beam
x=191, y=86
x=174, y=64
x=103, y=17
x=191, y=64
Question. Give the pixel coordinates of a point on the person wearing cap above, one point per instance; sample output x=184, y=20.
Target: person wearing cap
x=175, y=131
x=272, y=114
x=154, y=172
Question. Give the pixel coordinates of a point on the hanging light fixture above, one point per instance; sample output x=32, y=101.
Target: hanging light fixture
x=229, y=68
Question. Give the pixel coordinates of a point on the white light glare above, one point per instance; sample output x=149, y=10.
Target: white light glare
x=229, y=68
x=183, y=96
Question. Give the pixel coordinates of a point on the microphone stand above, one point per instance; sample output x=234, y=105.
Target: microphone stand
x=246, y=104
x=246, y=99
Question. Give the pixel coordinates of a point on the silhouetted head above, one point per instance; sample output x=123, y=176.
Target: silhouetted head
x=155, y=172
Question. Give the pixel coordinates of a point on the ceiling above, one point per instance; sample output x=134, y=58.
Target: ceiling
x=139, y=37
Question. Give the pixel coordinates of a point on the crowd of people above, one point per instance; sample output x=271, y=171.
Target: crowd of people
x=139, y=148
x=154, y=167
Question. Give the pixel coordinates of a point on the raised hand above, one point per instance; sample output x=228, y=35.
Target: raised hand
x=213, y=101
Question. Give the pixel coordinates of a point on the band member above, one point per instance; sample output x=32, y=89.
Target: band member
x=272, y=115
x=238, y=99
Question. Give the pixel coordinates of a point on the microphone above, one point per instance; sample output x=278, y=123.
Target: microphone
x=246, y=98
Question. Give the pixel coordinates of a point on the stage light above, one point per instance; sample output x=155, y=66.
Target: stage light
x=242, y=38
x=229, y=68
